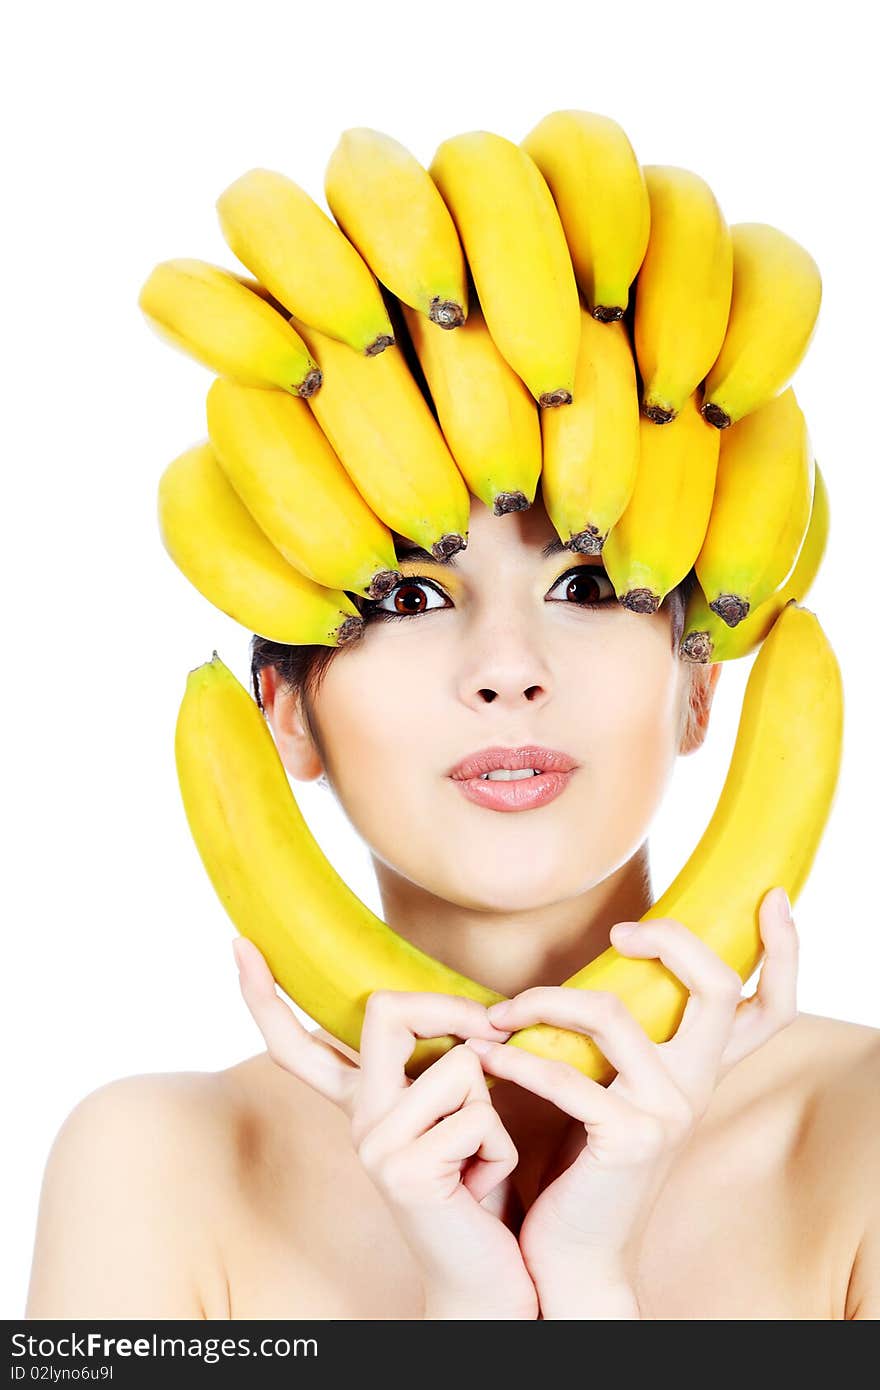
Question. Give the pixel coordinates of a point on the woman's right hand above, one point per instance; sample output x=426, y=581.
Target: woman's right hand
x=434, y=1147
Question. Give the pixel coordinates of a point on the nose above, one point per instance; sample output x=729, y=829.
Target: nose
x=504, y=666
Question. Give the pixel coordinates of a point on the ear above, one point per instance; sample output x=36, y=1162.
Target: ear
x=701, y=681
x=285, y=714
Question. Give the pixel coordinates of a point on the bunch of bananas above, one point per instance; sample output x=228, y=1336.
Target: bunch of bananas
x=545, y=311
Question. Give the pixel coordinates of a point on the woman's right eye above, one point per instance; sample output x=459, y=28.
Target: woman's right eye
x=405, y=598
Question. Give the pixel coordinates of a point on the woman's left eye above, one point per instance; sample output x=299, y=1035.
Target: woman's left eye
x=583, y=586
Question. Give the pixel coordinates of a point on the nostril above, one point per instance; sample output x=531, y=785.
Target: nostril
x=488, y=696
x=532, y=691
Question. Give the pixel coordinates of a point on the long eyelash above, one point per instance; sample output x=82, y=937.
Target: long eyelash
x=600, y=603
x=369, y=608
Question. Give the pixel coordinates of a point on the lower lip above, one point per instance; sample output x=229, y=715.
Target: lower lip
x=523, y=794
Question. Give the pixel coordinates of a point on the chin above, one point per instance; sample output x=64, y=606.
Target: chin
x=520, y=883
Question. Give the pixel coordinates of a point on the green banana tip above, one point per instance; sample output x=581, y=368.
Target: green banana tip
x=214, y=664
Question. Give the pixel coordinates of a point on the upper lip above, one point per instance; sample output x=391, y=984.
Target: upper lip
x=530, y=755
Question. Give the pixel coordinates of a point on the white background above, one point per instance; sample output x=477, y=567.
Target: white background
x=123, y=124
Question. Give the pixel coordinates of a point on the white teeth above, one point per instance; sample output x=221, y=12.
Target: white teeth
x=506, y=774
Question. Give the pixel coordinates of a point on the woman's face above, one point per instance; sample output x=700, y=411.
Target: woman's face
x=500, y=648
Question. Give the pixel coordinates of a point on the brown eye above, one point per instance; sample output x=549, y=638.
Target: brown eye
x=584, y=585
x=409, y=597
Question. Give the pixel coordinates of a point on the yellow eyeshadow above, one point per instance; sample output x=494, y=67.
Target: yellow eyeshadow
x=448, y=580
x=445, y=577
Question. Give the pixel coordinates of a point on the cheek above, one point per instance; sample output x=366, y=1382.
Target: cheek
x=381, y=713
x=634, y=731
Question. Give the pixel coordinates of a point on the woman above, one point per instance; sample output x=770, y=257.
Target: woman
x=730, y=1173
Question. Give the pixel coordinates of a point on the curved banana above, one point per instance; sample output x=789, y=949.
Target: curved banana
x=381, y=426
x=765, y=830
x=599, y=188
x=653, y=545
x=777, y=290
x=706, y=637
x=209, y=313
x=683, y=289
x=303, y=259
x=213, y=539
x=761, y=508
x=518, y=256
x=295, y=488
x=591, y=449
x=389, y=208
x=487, y=414
x=329, y=952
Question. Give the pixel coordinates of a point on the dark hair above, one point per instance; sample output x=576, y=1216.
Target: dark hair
x=302, y=668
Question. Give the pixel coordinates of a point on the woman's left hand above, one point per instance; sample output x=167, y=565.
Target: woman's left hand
x=581, y=1235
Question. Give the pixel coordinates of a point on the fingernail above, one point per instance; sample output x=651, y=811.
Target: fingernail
x=624, y=928
x=496, y=1010
x=479, y=1045
x=783, y=905
x=235, y=954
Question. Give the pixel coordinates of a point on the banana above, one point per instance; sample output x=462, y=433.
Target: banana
x=297, y=491
x=777, y=290
x=683, y=289
x=600, y=191
x=653, y=545
x=488, y=416
x=209, y=313
x=518, y=256
x=322, y=944
x=591, y=449
x=256, y=288
x=303, y=259
x=389, y=208
x=706, y=637
x=381, y=427
x=329, y=952
x=213, y=539
x=761, y=508
x=765, y=830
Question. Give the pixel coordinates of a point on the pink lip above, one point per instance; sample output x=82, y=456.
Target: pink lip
x=556, y=771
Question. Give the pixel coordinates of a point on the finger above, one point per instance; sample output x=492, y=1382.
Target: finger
x=559, y=1082
x=291, y=1045
x=603, y=1016
x=715, y=987
x=774, y=1003
x=477, y=1130
x=454, y=1080
x=393, y=1019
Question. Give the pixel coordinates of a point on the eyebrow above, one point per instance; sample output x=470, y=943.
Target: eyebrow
x=417, y=552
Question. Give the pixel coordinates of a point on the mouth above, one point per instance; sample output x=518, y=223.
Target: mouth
x=514, y=779
x=523, y=794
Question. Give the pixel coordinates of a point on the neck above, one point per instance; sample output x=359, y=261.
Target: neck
x=508, y=950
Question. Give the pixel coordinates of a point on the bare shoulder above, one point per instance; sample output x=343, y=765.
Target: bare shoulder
x=838, y=1155
x=130, y=1187
x=811, y=1096
x=832, y=1065
x=845, y=1115
x=844, y=1061
x=276, y=1123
